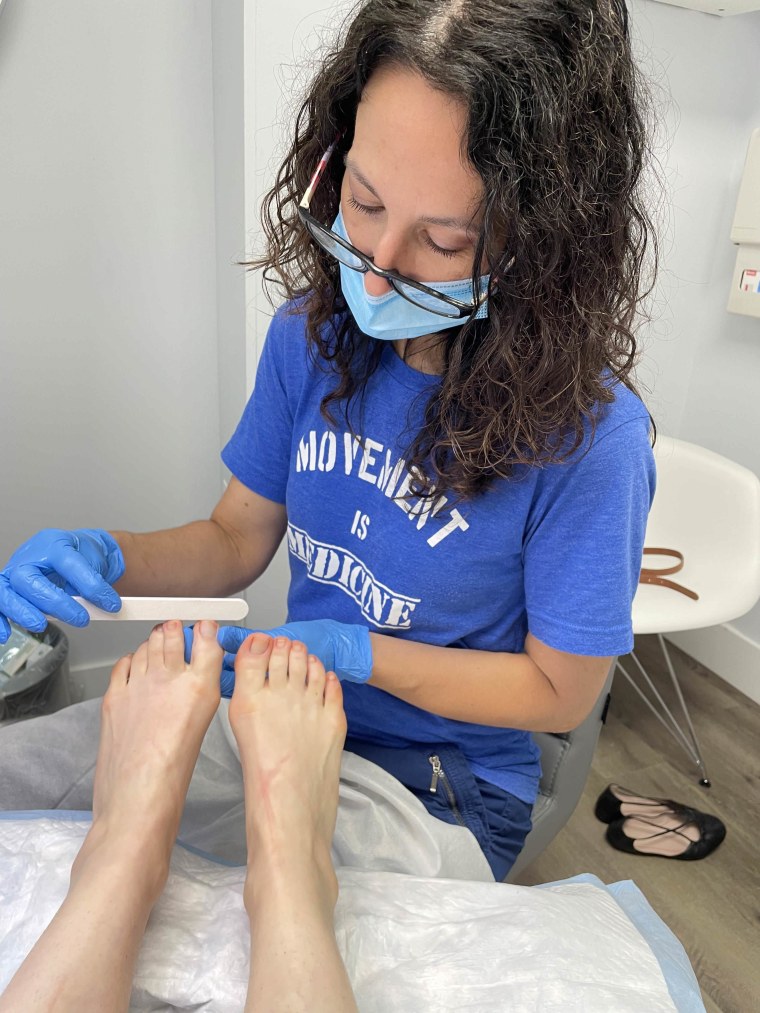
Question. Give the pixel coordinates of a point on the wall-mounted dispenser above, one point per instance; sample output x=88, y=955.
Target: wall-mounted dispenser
x=745, y=284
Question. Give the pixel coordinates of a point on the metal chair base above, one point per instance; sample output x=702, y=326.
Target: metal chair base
x=685, y=737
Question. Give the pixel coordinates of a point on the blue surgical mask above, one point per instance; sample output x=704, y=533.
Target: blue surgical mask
x=390, y=317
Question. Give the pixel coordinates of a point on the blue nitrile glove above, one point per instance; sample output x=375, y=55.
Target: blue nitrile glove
x=341, y=647
x=44, y=572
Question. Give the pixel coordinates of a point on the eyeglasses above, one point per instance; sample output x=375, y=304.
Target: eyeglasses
x=346, y=254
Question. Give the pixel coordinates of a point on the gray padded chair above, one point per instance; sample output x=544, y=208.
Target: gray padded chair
x=565, y=763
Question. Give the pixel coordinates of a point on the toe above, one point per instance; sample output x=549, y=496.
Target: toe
x=120, y=673
x=139, y=664
x=156, y=647
x=174, y=646
x=297, y=664
x=251, y=663
x=206, y=658
x=334, y=709
x=278, y=664
x=316, y=677
x=333, y=691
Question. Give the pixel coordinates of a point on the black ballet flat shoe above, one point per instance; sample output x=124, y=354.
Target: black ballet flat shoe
x=607, y=808
x=712, y=832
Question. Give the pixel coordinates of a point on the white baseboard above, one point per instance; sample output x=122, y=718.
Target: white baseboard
x=727, y=652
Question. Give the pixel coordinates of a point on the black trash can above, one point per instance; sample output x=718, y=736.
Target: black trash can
x=41, y=687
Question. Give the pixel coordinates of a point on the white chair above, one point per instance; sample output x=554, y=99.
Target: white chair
x=708, y=508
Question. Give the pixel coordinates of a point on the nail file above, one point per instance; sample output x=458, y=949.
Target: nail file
x=159, y=610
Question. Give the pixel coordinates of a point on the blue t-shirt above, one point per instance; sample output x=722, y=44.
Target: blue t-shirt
x=555, y=550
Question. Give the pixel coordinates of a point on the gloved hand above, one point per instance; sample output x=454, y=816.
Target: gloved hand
x=53, y=565
x=341, y=647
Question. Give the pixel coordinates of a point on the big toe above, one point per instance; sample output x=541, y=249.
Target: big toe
x=251, y=663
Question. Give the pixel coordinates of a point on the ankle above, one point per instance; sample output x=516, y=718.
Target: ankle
x=143, y=863
x=307, y=878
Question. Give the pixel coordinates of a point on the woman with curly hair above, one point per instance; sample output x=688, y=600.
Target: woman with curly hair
x=444, y=424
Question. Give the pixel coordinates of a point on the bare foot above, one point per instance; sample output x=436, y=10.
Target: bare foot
x=155, y=714
x=287, y=717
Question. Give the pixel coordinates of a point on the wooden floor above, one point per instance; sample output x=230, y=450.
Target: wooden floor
x=712, y=905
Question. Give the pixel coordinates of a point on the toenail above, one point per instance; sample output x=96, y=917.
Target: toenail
x=298, y=646
x=208, y=629
x=170, y=625
x=281, y=641
x=258, y=644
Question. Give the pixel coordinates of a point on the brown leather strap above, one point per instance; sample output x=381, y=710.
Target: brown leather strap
x=651, y=576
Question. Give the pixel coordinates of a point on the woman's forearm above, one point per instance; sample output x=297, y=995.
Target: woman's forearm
x=213, y=558
x=490, y=687
x=197, y=559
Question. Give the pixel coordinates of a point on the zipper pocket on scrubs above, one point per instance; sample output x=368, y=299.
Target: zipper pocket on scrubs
x=439, y=774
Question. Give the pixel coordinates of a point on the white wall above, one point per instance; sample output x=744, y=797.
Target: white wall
x=135, y=141
x=703, y=363
x=281, y=42
x=109, y=407
x=230, y=199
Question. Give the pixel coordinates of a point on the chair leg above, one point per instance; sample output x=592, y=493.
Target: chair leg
x=686, y=738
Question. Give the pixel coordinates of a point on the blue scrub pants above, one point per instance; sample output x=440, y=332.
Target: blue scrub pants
x=499, y=820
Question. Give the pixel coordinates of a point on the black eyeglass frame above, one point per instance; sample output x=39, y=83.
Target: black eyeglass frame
x=316, y=229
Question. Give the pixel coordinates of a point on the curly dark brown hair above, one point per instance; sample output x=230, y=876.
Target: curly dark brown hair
x=556, y=130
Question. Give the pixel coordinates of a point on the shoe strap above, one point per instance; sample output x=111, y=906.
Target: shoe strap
x=650, y=575
x=647, y=800
x=674, y=830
